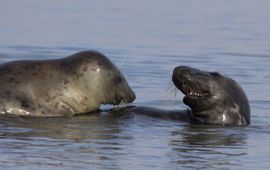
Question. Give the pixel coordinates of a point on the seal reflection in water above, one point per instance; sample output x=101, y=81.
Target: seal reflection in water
x=212, y=98
x=79, y=83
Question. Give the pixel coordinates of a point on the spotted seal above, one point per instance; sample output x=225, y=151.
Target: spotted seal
x=76, y=84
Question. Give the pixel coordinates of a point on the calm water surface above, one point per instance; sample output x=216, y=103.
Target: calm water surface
x=146, y=40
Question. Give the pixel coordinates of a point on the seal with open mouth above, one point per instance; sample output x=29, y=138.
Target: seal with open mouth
x=212, y=98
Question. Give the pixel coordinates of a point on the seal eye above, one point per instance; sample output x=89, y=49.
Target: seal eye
x=215, y=74
x=118, y=80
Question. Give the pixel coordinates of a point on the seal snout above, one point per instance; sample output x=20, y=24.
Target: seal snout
x=130, y=98
x=124, y=98
x=181, y=75
x=133, y=97
x=182, y=69
x=188, y=80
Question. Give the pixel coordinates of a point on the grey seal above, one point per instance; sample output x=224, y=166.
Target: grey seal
x=212, y=97
x=76, y=84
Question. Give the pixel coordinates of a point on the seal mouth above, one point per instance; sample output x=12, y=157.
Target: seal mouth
x=124, y=99
x=191, y=82
x=194, y=91
x=197, y=95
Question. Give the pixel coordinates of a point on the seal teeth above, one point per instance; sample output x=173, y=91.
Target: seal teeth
x=196, y=94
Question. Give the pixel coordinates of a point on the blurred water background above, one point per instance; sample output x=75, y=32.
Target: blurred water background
x=146, y=39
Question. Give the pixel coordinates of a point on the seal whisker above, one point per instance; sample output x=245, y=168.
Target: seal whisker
x=123, y=61
x=122, y=104
x=203, y=82
x=170, y=94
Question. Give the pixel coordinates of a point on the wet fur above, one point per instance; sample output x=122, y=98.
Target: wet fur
x=212, y=98
x=76, y=84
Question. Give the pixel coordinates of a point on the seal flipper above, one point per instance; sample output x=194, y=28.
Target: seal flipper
x=15, y=105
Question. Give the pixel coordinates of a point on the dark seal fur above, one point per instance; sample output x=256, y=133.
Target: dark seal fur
x=213, y=99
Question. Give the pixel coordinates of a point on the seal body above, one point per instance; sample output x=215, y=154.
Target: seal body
x=212, y=98
x=79, y=83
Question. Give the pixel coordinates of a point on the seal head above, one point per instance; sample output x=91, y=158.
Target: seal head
x=212, y=97
x=98, y=75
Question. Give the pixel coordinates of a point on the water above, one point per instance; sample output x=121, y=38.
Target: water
x=146, y=39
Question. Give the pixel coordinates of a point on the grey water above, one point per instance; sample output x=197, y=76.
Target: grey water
x=146, y=39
